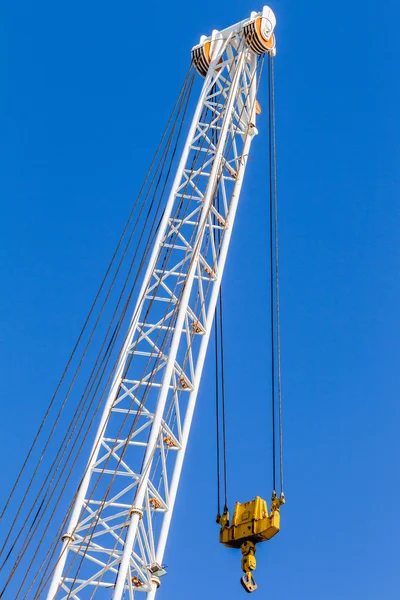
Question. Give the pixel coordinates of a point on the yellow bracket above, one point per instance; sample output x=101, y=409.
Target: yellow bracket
x=276, y=502
x=223, y=519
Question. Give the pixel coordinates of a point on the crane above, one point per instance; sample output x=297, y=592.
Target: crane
x=115, y=540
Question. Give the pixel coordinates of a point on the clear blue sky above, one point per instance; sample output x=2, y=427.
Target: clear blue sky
x=86, y=89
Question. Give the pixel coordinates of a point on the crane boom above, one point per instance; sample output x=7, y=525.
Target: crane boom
x=119, y=525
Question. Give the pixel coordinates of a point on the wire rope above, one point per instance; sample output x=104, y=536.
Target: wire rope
x=36, y=438
x=277, y=306
x=74, y=419
x=271, y=279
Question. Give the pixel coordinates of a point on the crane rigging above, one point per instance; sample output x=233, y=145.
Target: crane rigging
x=114, y=533
x=252, y=523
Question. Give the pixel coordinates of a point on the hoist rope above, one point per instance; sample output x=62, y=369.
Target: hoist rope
x=276, y=389
x=271, y=278
x=46, y=416
x=162, y=162
x=217, y=417
x=142, y=262
x=219, y=321
x=277, y=307
x=104, y=498
x=218, y=324
x=220, y=406
x=221, y=328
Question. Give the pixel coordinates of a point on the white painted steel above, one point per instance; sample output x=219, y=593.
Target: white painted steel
x=268, y=25
x=121, y=538
x=123, y=356
x=180, y=322
x=203, y=348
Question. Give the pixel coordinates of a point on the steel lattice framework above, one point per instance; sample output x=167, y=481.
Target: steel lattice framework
x=122, y=513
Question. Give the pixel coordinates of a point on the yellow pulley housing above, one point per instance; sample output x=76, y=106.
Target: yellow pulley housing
x=251, y=522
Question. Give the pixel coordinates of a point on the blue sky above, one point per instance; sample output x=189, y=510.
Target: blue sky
x=86, y=90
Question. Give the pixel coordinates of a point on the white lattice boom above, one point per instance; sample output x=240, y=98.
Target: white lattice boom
x=114, y=547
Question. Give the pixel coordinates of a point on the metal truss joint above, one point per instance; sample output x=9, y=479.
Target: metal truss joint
x=136, y=511
x=68, y=536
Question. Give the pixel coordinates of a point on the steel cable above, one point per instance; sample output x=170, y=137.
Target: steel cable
x=219, y=242
x=16, y=483
x=277, y=307
x=271, y=268
x=149, y=243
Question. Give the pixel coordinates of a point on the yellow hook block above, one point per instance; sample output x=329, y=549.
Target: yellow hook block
x=251, y=524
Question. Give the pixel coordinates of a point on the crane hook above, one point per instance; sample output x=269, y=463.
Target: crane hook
x=249, y=563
